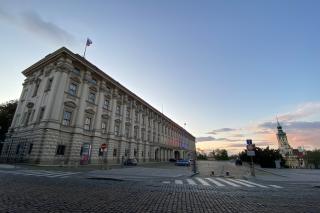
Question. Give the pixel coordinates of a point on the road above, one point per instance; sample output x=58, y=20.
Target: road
x=27, y=189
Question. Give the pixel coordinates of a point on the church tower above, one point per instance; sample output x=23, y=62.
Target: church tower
x=284, y=147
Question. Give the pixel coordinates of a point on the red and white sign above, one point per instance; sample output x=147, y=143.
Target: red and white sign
x=103, y=146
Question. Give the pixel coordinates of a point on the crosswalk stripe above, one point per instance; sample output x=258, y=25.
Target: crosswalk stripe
x=239, y=182
x=215, y=182
x=252, y=183
x=191, y=182
x=166, y=182
x=203, y=182
x=276, y=186
x=228, y=182
x=178, y=182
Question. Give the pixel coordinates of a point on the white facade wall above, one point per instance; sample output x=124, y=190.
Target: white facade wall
x=39, y=124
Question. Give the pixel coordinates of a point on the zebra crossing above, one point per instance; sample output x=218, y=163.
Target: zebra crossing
x=40, y=173
x=220, y=182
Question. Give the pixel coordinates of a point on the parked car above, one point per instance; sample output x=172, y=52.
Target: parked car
x=172, y=160
x=182, y=163
x=131, y=162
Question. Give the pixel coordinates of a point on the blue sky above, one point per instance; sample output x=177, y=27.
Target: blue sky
x=212, y=64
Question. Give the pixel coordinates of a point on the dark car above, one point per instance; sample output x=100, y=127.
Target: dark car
x=172, y=160
x=182, y=163
x=131, y=162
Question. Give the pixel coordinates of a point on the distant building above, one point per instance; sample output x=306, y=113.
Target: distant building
x=293, y=157
x=71, y=112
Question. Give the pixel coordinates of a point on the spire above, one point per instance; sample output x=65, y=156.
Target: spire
x=278, y=124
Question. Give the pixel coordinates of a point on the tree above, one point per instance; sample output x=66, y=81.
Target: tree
x=312, y=157
x=264, y=157
x=220, y=154
x=202, y=156
x=6, y=115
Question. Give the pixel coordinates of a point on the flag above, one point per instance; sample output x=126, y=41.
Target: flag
x=89, y=42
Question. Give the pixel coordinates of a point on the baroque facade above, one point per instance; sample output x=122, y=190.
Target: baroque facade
x=70, y=112
x=292, y=156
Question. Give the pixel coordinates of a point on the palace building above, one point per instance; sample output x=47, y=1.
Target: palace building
x=70, y=112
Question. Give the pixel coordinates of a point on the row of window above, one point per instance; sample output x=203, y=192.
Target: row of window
x=117, y=127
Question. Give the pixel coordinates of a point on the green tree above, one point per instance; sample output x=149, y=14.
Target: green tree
x=6, y=115
x=202, y=156
x=264, y=157
x=221, y=154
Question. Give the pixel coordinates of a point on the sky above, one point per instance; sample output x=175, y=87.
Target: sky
x=226, y=68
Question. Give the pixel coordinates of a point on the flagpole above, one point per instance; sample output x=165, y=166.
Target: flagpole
x=85, y=49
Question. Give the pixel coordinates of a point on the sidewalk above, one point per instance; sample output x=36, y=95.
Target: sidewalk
x=7, y=166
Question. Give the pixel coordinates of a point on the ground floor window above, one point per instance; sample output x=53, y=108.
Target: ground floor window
x=114, y=152
x=30, y=148
x=60, y=149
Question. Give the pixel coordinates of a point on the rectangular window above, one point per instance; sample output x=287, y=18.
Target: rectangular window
x=136, y=116
x=60, y=150
x=106, y=103
x=24, y=94
x=49, y=84
x=103, y=128
x=128, y=113
x=27, y=118
x=127, y=130
x=87, y=124
x=66, y=118
x=41, y=113
x=94, y=81
x=30, y=148
x=73, y=89
x=118, y=108
x=117, y=128
x=135, y=133
x=92, y=97
x=18, y=149
x=114, y=152
x=36, y=89
x=76, y=71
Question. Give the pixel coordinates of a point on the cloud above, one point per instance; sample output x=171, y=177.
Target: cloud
x=32, y=23
x=238, y=135
x=210, y=138
x=213, y=132
x=265, y=131
x=258, y=144
x=292, y=125
x=302, y=111
x=202, y=139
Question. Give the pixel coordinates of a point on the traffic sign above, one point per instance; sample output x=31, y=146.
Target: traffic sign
x=250, y=147
x=103, y=146
x=249, y=141
x=251, y=153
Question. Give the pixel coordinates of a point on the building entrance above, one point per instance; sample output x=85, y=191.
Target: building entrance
x=176, y=155
x=85, y=153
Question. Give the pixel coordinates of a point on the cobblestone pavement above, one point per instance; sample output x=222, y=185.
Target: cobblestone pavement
x=77, y=194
